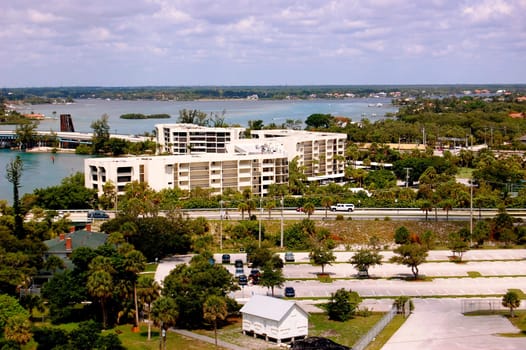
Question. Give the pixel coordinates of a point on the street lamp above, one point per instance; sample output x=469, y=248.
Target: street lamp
x=281, y=236
x=221, y=226
x=260, y=215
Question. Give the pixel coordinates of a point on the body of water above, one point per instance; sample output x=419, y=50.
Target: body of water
x=40, y=170
x=239, y=112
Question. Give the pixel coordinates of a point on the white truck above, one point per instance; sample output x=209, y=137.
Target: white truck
x=342, y=207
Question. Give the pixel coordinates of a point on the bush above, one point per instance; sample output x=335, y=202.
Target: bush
x=339, y=217
x=343, y=305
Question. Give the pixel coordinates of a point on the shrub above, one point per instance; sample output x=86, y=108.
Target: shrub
x=339, y=217
x=343, y=305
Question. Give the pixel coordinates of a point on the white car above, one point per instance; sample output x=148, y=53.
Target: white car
x=342, y=207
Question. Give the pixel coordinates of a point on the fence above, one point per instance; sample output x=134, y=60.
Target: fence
x=487, y=304
x=380, y=325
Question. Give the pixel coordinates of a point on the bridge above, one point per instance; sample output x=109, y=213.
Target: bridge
x=66, y=139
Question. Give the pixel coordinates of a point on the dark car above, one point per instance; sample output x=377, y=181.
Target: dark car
x=238, y=263
x=242, y=280
x=289, y=257
x=98, y=214
x=225, y=259
x=254, y=276
x=290, y=292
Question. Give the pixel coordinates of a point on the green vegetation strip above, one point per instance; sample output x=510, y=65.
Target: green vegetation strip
x=474, y=274
x=519, y=292
x=386, y=333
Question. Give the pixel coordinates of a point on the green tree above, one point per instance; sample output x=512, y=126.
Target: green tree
x=26, y=134
x=319, y=121
x=135, y=262
x=214, y=309
x=54, y=263
x=326, y=202
x=447, y=205
x=322, y=255
x=271, y=277
x=426, y=206
x=14, y=173
x=309, y=209
x=100, y=283
x=343, y=305
x=411, y=255
x=402, y=235
x=9, y=308
x=364, y=259
x=101, y=135
x=165, y=313
x=512, y=301
x=458, y=245
x=148, y=290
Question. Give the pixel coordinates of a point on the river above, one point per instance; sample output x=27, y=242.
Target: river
x=40, y=170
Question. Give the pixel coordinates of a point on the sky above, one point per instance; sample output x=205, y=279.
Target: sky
x=261, y=42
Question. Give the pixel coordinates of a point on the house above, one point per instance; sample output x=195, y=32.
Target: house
x=63, y=245
x=274, y=319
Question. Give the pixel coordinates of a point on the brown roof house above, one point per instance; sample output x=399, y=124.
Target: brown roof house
x=274, y=319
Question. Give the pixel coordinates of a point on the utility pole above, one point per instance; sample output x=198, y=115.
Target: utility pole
x=221, y=227
x=471, y=213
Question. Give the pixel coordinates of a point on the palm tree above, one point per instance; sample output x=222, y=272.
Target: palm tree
x=148, y=290
x=165, y=313
x=215, y=308
x=426, y=206
x=135, y=263
x=447, y=205
x=512, y=301
x=326, y=202
x=269, y=206
x=100, y=286
x=242, y=207
x=309, y=208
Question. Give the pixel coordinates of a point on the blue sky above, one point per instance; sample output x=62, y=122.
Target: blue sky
x=264, y=42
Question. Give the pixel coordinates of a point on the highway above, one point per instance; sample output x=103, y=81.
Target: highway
x=401, y=214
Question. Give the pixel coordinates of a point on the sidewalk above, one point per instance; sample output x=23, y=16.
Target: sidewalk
x=206, y=339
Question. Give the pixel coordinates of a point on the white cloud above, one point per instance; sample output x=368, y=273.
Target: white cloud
x=487, y=9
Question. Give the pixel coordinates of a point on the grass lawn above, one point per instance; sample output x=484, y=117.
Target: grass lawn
x=139, y=341
x=345, y=333
x=386, y=333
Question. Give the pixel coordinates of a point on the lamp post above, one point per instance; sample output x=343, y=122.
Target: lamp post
x=221, y=226
x=281, y=224
x=471, y=212
x=260, y=215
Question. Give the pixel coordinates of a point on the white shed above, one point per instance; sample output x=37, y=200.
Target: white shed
x=274, y=319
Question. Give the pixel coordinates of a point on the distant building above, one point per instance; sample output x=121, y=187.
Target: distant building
x=218, y=172
x=274, y=319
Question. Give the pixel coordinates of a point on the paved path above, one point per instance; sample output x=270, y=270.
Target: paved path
x=438, y=324
x=206, y=339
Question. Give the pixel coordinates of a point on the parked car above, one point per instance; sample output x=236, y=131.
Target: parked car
x=290, y=292
x=289, y=257
x=342, y=207
x=300, y=209
x=238, y=272
x=254, y=276
x=98, y=214
x=225, y=259
x=238, y=263
x=242, y=280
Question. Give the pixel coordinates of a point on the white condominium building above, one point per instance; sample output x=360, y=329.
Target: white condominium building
x=218, y=172
x=320, y=154
x=191, y=138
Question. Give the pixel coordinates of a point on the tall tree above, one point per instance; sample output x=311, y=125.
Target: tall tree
x=148, y=290
x=14, y=173
x=214, y=309
x=101, y=134
x=165, y=313
x=326, y=202
x=26, y=135
x=135, y=262
x=100, y=283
